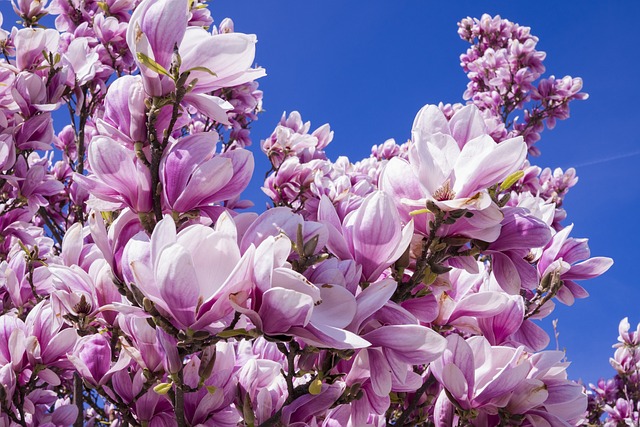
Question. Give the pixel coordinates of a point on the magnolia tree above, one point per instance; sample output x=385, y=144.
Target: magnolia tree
x=403, y=289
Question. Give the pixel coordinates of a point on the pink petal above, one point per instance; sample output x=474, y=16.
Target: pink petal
x=176, y=278
x=410, y=343
x=282, y=309
x=337, y=309
x=467, y=124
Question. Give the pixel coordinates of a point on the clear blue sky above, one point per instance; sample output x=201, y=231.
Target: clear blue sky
x=366, y=67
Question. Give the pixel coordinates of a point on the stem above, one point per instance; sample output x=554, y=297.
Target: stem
x=179, y=402
x=53, y=227
x=290, y=355
x=156, y=186
x=78, y=399
x=157, y=146
x=403, y=418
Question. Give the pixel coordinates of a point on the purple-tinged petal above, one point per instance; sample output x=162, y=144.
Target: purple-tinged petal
x=61, y=344
x=454, y=381
x=328, y=216
x=498, y=328
x=282, y=309
x=505, y=380
x=588, y=269
x=550, y=253
x=395, y=181
x=271, y=223
x=164, y=235
x=409, y=343
x=527, y=395
x=337, y=309
x=72, y=245
x=483, y=163
x=64, y=415
x=229, y=56
x=433, y=161
x=424, y=308
x=243, y=164
x=460, y=354
x=482, y=304
x=429, y=121
x=521, y=229
x=324, y=336
x=376, y=233
x=183, y=158
x=370, y=300
x=164, y=23
x=380, y=372
x=506, y=273
x=467, y=124
x=213, y=107
x=176, y=277
x=443, y=411
x=209, y=178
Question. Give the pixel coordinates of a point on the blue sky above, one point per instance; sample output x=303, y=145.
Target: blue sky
x=367, y=67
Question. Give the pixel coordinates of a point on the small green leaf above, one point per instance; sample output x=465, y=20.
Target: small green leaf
x=203, y=69
x=315, y=387
x=163, y=388
x=511, y=179
x=151, y=64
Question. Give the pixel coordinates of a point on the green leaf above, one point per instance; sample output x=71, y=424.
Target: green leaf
x=203, y=69
x=511, y=179
x=163, y=388
x=151, y=64
x=315, y=387
x=232, y=333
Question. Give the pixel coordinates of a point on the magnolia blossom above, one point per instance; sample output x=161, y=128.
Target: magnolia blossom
x=119, y=178
x=215, y=60
x=193, y=176
x=166, y=267
x=371, y=234
x=452, y=173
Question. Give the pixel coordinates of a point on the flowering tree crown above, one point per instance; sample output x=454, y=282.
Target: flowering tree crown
x=402, y=289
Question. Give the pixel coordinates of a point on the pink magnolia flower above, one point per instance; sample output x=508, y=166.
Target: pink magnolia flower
x=81, y=61
x=260, y=381
x=190, y=275
x=520, y=232
x=124, y=116
x=28, y=9
x=31, y=42
x=371, y=235
x=454, y=175
x=211, y=404
x=564, y=255
x=285, y=302
x=119, y=179
x=193, y=176
x=156, y=28
x=478, y=375
x=92, y=359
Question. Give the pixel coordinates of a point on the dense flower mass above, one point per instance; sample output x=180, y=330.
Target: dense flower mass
x=403, y=289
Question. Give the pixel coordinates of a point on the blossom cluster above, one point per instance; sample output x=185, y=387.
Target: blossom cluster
x=402, y=289
x=503, y=65
x=618, y=399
